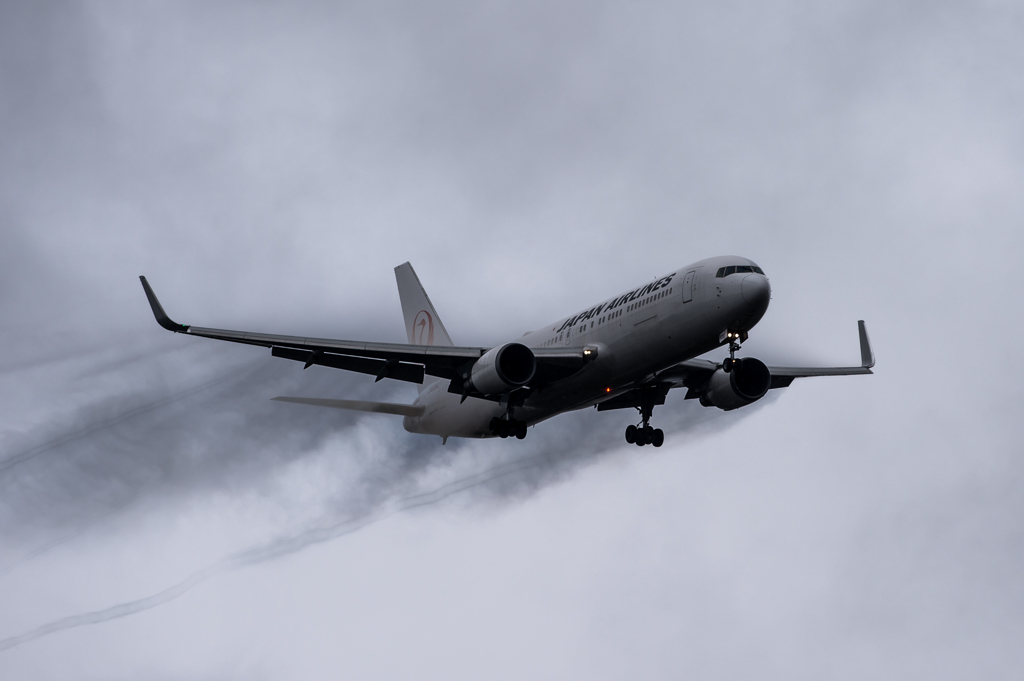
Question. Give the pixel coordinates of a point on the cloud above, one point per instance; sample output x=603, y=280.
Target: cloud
x=93, y=476
x=224, y=432
x=267, y=165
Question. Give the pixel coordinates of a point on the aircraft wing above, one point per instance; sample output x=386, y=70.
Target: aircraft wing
x=385, y=360
x=783, y=376
x=694, y=373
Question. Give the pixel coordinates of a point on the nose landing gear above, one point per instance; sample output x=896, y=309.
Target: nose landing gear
x=734, y=344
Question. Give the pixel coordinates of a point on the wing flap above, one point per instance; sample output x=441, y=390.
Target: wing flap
x=400, y=371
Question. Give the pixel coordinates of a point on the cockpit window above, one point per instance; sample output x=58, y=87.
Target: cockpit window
x=737, y=269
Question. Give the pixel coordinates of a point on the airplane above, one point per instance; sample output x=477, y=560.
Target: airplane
x=626, y=352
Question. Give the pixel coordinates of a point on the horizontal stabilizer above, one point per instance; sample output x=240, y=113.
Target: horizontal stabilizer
x=358, y=405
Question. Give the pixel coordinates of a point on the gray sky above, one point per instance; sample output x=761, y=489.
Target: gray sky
x=266, y=165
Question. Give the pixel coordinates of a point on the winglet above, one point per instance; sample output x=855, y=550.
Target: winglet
x=867, y=356
x=158, y=311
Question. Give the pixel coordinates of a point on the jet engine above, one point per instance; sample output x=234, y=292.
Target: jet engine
x=748, y=381
x=503, y=368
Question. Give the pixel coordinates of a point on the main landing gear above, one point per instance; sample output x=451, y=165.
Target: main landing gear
x=642, y=433
x=507, y=427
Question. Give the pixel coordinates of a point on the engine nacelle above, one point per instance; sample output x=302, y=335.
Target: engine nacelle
x=503, y=368
x=748, y=381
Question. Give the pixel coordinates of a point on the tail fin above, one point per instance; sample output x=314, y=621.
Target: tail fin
x=422, y=324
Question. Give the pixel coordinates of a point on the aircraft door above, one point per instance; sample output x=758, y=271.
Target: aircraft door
x=688, y=286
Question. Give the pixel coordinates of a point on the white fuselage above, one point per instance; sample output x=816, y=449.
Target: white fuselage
x=638, y=333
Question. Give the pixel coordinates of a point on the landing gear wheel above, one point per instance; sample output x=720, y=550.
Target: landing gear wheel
x=658, y=437
x=520, y=430
x=630, y=434
x=641, y=437
x=727, y=364
x=504, y=429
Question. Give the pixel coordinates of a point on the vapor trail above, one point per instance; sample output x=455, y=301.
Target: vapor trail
x=93, y=520
x=281, y=547
x=21, y=457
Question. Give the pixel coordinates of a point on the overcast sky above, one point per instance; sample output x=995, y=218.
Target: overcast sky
x=266, y=165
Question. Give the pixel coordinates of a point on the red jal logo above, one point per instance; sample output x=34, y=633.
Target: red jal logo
x=423, y=328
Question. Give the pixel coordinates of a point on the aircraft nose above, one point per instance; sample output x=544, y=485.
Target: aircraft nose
x=756, y=290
